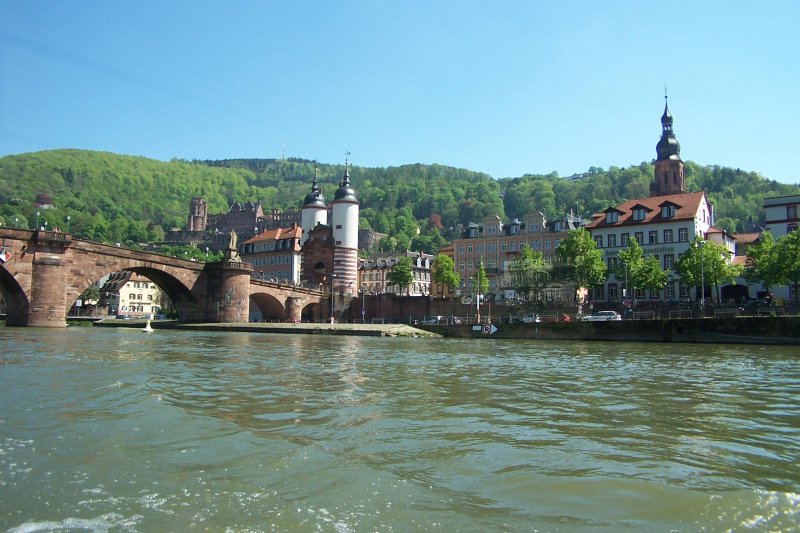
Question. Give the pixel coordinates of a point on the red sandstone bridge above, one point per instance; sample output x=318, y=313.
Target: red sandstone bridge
x=45, y=272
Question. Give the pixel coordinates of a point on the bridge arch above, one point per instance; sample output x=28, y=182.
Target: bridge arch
x=270, y=307
x=17, y=303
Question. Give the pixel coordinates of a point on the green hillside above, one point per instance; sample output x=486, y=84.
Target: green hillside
x=119, y=198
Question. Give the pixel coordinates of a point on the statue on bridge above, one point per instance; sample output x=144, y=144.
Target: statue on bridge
x=232, y=251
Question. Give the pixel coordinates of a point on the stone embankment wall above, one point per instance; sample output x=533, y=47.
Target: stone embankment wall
x=744, y=330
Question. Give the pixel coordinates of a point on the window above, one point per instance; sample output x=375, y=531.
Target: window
x=684, y=291
x=469, y=264
x=491, y=230
x=683, y=235
x=503, y=246
x=547, y=244
x=612, y=241
x=791, y=212
x=599, y=241
x=599, y=292
x=652, y=237
x=512, y=247
x=612, y=217
x=639, y=214
x=669, y=261
x=612, y=291
x=669, y=290
x=469, y=249
x=556, y=242
x=612, y=264
x=461, y=248
x=480, y=248
x=667, y=235
x=791, y=227
x=535, y=245
x=461, y=267
x=624, y=239
x=639, y=237
x=667, y=211
x=132, y=296
x=534, y=226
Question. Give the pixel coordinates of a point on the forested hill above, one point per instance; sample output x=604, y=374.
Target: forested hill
x=119, y=198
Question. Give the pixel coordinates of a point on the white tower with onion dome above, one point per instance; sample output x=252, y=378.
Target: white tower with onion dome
x=345, y=236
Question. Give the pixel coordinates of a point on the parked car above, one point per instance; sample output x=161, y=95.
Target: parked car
x=530, y=319
x=602, y=316
x=123, y=317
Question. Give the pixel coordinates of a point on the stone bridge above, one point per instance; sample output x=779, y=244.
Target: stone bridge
x=43, y=273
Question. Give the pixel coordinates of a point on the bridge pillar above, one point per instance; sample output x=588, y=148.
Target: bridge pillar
x=294, y=308
x=48, y=307
x=228, y=291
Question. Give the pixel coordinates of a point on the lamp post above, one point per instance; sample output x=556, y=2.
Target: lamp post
x=363, y=309
x=333, y=317
x=69, y=221
x=36, y=226
x=16, y=222
x=702, y=280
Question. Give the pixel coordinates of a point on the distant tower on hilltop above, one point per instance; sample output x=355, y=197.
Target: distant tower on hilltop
x=198, y=215
x=314, y=210
x=669, y=178
x=345, y=236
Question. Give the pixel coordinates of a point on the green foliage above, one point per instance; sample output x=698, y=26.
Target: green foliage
x=762, y=262
x=706, y=263
x=116, y=198
x=444, y=271
x=401, y=273
x=787, y=260
x=480, y=281
x=528, y=273
x=640, y=272
x=581, y=259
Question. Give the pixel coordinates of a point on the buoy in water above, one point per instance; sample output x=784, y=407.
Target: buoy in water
x=147, y=328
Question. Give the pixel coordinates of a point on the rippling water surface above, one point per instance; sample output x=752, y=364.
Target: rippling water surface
x=117, y=430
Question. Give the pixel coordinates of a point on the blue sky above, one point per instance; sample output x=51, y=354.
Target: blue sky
x=502, y=87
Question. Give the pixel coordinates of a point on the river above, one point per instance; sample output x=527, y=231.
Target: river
x=120, y=430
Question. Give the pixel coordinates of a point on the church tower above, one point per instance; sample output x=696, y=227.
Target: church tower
x=314, y=210
x=345, y=236
x=669, y=177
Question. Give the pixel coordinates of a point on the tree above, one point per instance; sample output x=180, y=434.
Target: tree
x=640, y=272
x=444, y=272
x=582, y=260
x=400, y=274
x=529, y=273
x=706, y=263
x=480, y=282
x=762, y=262
x=787, y=261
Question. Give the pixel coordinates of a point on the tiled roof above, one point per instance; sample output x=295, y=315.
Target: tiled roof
x=687, y=205
x=747, y=238
x=276, y=235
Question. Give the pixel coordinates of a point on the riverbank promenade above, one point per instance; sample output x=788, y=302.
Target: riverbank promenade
x=360, y=330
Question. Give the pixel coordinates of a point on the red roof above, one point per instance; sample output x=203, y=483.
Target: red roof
x=747, y=238
x=686, y=207
x=276, y=235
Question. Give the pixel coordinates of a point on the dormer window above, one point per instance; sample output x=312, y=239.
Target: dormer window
x=612, y=217
x=667, y=211
x=639, y=214
x=514, y=229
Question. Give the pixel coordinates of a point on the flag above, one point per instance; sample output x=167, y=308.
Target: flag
x=4, y=256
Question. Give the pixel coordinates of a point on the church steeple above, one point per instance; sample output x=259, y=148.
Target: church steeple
x=669, y=177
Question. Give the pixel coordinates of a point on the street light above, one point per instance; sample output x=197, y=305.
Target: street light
x=16, y=222
x=69, y=220
x=333, y=318
x=36, y=226
x=702, y=280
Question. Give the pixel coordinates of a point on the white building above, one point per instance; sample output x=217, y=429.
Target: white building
x=781, y=218
x=663, y=224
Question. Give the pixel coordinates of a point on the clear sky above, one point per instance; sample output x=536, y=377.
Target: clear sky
x=502, y=87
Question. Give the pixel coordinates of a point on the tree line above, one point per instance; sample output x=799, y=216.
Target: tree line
x=118, y=198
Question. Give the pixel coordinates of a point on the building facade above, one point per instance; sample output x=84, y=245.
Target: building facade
x=781, y=218
x=274, y=254
x=663, y=224
x=130, y=294
x=495, y=245
x=329, y=249
x=374, y=272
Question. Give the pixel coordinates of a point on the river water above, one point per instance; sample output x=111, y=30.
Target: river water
x=119, y=430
